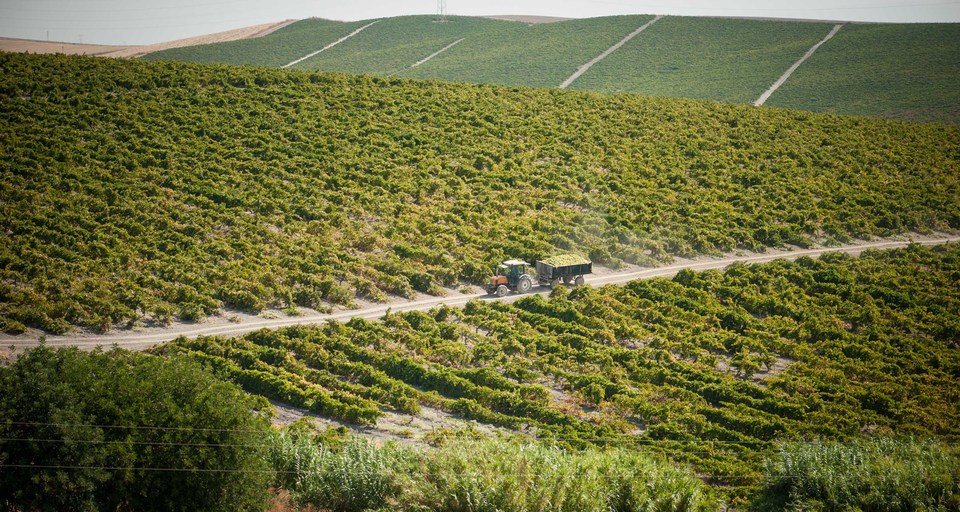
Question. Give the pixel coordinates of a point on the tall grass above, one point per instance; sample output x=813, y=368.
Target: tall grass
x=872, y=475
x=496, y=476
x=352, y=478
x=479, y=476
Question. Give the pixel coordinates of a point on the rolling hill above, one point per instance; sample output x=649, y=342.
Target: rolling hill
x=881, y=70
x=138, y=191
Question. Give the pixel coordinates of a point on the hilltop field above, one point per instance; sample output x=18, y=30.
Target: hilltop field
x=900, y=71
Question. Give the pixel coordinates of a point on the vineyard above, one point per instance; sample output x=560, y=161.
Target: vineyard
x=541, y=55
x=136, y=192
x=274, y=50
x=842, y=77
x=902, y=71
x=712, y=370
x=394, y=44
x=703, y=58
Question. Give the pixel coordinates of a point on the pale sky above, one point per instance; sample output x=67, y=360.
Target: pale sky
x=151, y=21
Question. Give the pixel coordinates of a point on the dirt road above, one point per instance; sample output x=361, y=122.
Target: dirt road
x=783, y=78
x=584, y=68
x=140, y=340
x=327, y=47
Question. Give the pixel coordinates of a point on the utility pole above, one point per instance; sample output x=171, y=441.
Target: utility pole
x=441, y=10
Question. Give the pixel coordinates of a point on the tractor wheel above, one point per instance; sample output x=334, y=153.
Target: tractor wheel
x=578, y=281
x=502, y=290
x=567, y=279
x=524, y=284
x=554, y=282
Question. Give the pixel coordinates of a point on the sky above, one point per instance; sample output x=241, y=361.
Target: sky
x=151, y=21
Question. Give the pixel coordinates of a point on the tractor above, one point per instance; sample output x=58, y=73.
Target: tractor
x=511, y=275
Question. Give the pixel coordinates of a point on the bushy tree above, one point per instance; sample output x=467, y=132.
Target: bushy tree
x=120, y=431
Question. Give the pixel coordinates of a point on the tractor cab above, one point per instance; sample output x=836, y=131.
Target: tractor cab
x=512, y=270
x=511, y=275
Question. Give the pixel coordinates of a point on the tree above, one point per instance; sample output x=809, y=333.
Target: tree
x=120, y=431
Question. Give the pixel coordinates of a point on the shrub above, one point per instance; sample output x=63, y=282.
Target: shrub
x=879, y=475
x=124, y=432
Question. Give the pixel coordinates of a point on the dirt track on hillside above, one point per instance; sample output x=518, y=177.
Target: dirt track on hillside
x=236, y=324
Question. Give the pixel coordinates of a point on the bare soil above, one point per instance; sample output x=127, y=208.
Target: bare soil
x=392, y=426
x=533, y=20
x=32, y=46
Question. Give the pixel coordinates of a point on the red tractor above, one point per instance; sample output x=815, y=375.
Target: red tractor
x=511, y=275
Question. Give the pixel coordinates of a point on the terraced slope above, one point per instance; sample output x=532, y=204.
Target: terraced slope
x=896, y=71
x=704, y=58
x=394, y=44
x=542, y=55
x=138, y=191
x=273, y=50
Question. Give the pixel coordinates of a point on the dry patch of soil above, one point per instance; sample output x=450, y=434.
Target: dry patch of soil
x=392, y=426
x=32, y=46
x=528, y=19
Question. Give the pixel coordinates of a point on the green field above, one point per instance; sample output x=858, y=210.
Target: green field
x=541, y=55
x=901, y=71
x=395, y=44
x=704, y=58
x=895, y=71
x=139, y=192
x=710, y=369
x=273, y=50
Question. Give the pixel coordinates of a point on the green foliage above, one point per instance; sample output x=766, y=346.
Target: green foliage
x=509, y=476
x=879, y=475
x=394, y=44
x=135, y=187
x=351, y=478
x=481, y=476
x=275, y=49
x=896, y=71
x=709, y=368
x=116, y=431
x=733, y=60
x=538, y=55
x=901, y=71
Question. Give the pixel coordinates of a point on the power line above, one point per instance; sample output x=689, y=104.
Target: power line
x=533, y=437
x=361, y=471
x=136, y=427
x=137, y=468
x=135, y=443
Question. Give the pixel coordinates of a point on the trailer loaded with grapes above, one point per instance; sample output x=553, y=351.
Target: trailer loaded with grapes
x=514, y=275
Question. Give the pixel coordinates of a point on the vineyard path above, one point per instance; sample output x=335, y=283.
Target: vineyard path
x=583, y=69
x=148, y=337
x=331, y=45
x=783, y=78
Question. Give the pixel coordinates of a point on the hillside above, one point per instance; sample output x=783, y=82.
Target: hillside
x=903, y=71
x=140, y=192
x=541, y=55
x=896, y=71
x=33, y=46
x=273, y=50
x=704, y=58
x=711, y=369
